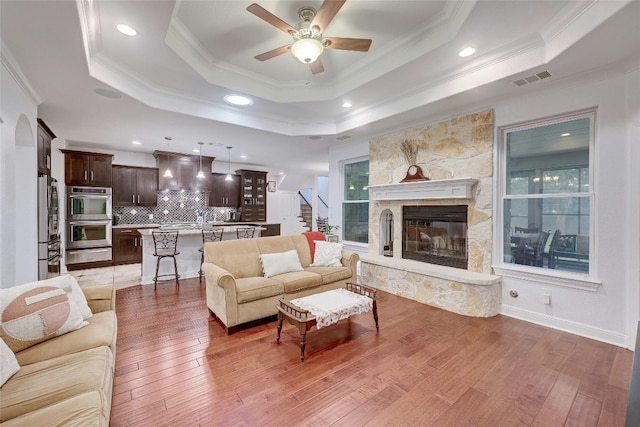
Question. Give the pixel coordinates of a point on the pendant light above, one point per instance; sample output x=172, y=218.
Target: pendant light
x=200, y=173
x=229, y=177
x=167, y=173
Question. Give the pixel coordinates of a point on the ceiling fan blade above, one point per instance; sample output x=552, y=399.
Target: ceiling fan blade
x=273, y=53
x=361, y=45
x=316, y=66
x=326, y=13
x=269, y=17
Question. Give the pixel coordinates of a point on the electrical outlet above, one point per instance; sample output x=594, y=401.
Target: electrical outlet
x=546, y=296
x=150, y=216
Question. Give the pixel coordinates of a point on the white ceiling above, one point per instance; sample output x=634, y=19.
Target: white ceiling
x=188, y=55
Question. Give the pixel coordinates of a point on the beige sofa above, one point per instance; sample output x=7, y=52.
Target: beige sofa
x=238, y=292
x=66, y=380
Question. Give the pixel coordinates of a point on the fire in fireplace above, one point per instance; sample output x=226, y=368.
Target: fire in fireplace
x=435, y=234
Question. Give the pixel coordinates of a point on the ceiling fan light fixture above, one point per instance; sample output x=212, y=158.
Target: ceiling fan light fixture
x=307, y=50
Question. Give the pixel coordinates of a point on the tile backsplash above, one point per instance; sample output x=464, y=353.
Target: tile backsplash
x=173, y=206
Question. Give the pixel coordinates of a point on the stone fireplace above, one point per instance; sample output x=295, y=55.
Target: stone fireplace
x=457, y=156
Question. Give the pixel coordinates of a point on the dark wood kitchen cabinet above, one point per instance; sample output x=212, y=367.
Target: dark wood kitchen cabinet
x=135, y=186
x=127, y=245
x=45, y=136
x=253, y=195
x=224, y=193
x=87, y=169
x=184, y=169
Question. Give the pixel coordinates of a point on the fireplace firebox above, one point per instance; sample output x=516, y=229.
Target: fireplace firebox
x=435, y=234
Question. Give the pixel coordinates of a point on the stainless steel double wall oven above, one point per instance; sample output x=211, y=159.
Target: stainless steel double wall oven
x=88, y=224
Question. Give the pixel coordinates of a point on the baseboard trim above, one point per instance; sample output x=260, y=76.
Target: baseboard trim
x=576, y=328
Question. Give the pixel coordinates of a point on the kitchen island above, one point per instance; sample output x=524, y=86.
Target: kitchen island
x=189, y=241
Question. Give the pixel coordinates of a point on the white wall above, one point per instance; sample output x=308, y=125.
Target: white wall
x=601, y=314
x=633, y=161
x=18, y=177
x=611, y=313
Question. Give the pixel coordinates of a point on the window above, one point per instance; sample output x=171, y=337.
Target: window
x=547, y=193
x=355, y=205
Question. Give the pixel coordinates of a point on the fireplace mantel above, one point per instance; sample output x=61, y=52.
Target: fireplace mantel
x=455, y=188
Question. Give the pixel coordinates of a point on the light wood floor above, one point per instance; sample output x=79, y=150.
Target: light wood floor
x=175, y=366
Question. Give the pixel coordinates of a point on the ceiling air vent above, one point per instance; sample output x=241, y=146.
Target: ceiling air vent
x=342, y=137
x=530, y=79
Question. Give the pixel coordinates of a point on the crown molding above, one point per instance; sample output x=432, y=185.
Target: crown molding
x=13, y=68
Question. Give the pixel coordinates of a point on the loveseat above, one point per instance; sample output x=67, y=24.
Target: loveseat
x=57, y=378
x=238, y=291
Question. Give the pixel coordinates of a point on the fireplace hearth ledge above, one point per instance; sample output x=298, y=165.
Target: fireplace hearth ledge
x=459, y=291
x=433, y=270
x=454, y=188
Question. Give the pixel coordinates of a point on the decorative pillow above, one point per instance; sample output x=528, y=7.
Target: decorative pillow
x=312, y=236
x=282, y=262
x=70, y=285
x=328, y=254
x=9, y=363
x=33, y=313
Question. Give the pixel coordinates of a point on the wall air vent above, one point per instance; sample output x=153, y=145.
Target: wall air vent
x=534, y=78
x=342, y=137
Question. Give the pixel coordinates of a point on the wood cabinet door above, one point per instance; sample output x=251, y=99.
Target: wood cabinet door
x=44, y=152
x=224, y=193
x=45, y=136
x=217, y=194
x=100, y=174
x=126, y=246
x=124, y=186
x=147, y=187
x=232, y=192
x=76, y=169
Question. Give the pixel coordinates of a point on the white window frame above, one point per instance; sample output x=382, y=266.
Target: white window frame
x=343, y=200
x=584, y=281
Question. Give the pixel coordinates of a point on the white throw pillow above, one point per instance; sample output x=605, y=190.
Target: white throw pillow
x=9, y=362
x=282, y=262
x=36, y=312
x=328, y=254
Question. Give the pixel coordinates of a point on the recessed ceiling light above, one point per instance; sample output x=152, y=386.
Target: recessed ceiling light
x=195, y=150
x=467, y=51
x=238, y=100
x=347, y=105
x=565, y=134
x=243, y=156
x=136, y=142
x=126, y=30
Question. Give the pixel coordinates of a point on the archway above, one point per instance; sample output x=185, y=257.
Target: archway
x=386, y=233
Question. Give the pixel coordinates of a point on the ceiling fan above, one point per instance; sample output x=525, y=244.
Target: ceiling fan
x=308, y=41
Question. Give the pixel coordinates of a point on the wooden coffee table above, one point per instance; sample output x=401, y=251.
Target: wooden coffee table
x=304, y=320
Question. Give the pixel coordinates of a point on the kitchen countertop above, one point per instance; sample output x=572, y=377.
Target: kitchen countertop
x=184, y=226
x=136, y=225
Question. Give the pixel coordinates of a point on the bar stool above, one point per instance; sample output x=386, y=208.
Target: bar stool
x=166, y=246
x=245, y=232
x=213, y=235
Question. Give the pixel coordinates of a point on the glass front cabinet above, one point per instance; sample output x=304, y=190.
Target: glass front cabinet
x=253, y=202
